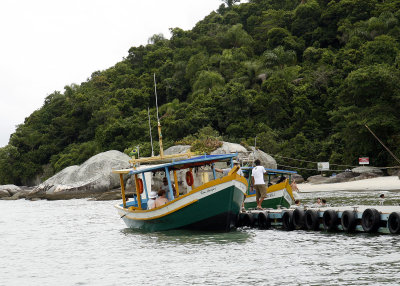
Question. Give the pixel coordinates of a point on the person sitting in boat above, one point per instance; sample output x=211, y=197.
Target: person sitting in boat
x=152, y=200
x=323, y=203
x=165, y=187
x=227, y=170
x=297, y=203
x=281, y=179
x=161, y=199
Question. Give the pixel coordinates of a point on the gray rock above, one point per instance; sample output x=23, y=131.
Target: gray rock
x=318, y=179
x=266, y=160
x=92, y=177
x=11, y=189
x=365, y=176
x=228, y=148
x=178, y=149
x=343, y=177
x=4, y=194
x=299, y=178
x=365, y=169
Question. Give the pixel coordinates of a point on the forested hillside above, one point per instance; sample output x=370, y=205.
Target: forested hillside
x=302, y=76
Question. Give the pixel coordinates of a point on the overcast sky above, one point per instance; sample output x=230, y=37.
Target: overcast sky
x=48, y=44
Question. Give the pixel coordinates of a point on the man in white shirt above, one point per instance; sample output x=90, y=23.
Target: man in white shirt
x=257, y=180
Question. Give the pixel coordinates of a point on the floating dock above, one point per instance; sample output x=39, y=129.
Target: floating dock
x=370, y=219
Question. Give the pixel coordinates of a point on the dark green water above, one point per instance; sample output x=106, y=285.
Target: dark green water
x=81, y=242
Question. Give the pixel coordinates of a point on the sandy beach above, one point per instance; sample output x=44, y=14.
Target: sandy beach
x=391, y=183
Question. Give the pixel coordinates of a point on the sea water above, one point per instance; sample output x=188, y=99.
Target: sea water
x=81, y=242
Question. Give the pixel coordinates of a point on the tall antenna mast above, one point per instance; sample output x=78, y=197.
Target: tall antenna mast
x=151, y=137
x=158, y=120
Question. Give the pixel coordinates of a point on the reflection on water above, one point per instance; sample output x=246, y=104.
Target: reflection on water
x=190, y=237
x=81, y=242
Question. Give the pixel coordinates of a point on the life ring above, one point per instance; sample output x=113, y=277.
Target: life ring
x=348, y=221
x=394, y=222
x=370, y=220
x=189, y=178
x=263, y=220
x=312, y=220
x=298, y=218
x=330, y=220
x=140, y=185
x=287, y=221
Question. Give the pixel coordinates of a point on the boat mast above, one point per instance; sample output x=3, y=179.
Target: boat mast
x=151, y=137
x=158, y=121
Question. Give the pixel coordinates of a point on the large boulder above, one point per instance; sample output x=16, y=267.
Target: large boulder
x=318, y=179
x=92, y=177
x=365, y=169
x=247, y=156
x=178, y=149
x=4, y=194
x=13, y=192
x=343, y=177
x=11, y=189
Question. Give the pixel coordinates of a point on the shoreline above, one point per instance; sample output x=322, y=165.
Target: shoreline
x=390, y=183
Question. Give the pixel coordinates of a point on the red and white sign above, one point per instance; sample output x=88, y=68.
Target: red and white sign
x=363, y=160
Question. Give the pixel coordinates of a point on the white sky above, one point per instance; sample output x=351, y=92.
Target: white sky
x=48, y=44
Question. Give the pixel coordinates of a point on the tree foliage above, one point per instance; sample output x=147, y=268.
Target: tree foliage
x=303, y=76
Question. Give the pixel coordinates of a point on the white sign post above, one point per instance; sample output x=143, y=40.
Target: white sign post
x=323, y=166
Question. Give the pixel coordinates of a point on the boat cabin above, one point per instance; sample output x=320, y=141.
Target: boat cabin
x=192, y=172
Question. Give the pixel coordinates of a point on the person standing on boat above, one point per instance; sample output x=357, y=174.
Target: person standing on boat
x=227, y=170
x=257, y=180
x=152, y=200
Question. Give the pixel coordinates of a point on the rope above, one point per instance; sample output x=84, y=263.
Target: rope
x=314, y=162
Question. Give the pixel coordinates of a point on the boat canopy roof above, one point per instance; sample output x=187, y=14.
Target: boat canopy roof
x=182, y=164
x=271, y=171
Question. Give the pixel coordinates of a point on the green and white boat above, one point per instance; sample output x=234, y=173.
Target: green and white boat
x=211, y=205
x=278, y=195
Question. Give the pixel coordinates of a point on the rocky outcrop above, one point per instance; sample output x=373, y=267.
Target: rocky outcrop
x=365, y=169
x=92, y=177
x=13, y=192
x=4, y=194
x=246, y=156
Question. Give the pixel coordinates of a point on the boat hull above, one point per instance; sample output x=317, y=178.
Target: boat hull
x=214, y=207
x=279, y=195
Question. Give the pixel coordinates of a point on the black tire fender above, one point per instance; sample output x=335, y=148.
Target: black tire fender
x=348, y=221
x=263, y=221
x=330, y=220
x=287, y=221
x=312, y=220
x=394, y=222
x=247, y=219
x=298, y=218
x=370, y=220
